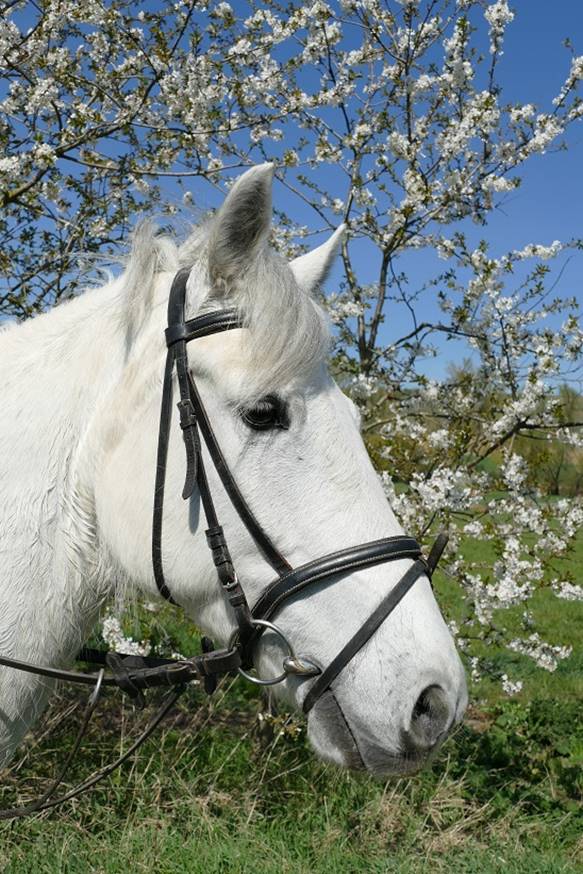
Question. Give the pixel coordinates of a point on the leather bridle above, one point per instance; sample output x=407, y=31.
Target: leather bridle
x=253, y=621
x=135, y=674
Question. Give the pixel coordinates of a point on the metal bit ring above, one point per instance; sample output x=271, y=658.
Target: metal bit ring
x=292, y=664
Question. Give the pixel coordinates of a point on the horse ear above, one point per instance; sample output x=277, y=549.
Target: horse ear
x=242, y=224
x=311, y=269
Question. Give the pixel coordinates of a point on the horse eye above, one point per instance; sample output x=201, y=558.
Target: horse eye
x=266, y=414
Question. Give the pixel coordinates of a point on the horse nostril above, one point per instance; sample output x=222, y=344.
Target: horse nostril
x=423, y=704
x=430, y=718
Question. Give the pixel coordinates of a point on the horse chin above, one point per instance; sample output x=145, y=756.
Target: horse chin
x=331, y=737
x=334, y=741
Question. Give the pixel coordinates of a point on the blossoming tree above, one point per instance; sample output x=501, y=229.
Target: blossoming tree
x=388, y=117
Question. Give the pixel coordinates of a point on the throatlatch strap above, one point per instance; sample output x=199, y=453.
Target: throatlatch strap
x=161, y=462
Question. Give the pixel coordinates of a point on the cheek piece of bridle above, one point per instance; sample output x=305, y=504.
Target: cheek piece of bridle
x=134, y=674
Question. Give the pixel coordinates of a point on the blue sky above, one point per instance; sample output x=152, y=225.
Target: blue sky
x=548, y=205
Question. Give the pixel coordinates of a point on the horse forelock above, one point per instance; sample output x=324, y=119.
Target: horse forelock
x=288, y=334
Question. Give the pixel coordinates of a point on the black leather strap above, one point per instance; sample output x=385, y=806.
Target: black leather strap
x=343, y=561
x=160, y=483
x=364, y=633
x=177, y=297
x=99, y=657
x=263, y=541
x=139, y=672
x=217, y=662
x=202, y=326
x=436, y=550
x=147, y=671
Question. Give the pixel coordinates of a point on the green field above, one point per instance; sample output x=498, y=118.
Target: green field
x=224, y=789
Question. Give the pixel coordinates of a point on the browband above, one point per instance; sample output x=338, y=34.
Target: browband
x=202, y=326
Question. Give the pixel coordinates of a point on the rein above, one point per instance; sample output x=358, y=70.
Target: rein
x=135, y=674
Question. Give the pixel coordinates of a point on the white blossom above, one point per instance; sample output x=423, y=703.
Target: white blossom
x=475, y=673
x=514, y=471
x=498, y=184
x=511, y=687
x=568, y=591
x=544, y=654
x=522, y=113
x=474, y=528
x=547, y=129
x=498, y=15
x=444, y=488
x=535, y=250
x=113, y=635
x=222, y=10
x=440, y=439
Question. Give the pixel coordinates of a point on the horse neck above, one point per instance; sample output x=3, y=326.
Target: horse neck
x=55, y=370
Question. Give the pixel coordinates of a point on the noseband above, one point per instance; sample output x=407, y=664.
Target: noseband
x=290, y=581
x=134, y=674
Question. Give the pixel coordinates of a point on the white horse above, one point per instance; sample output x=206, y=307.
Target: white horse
x=79, y=397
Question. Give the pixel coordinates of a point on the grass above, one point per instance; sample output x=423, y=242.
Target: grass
x=224, y=787
x=213, y=795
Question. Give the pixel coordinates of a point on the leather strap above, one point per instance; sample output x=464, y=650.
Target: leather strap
x=262, y=540
x=364, y=633
x=436, y=551
x=160, y=483
x=138, y=672
x=324, y=568
x=202, y=326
